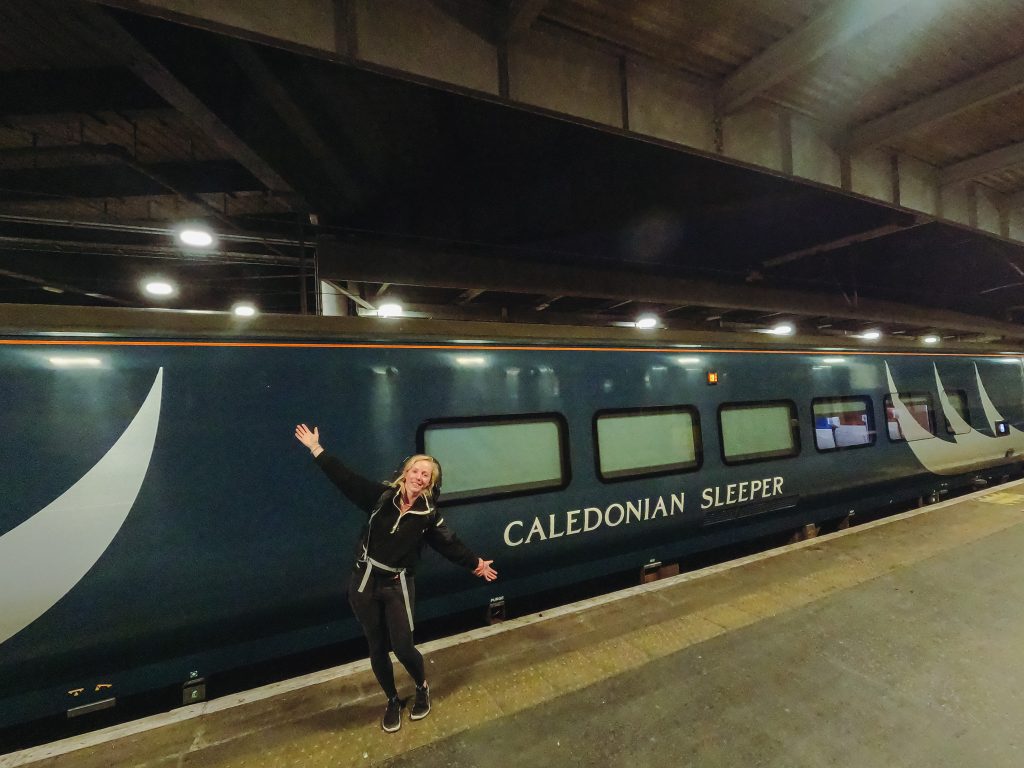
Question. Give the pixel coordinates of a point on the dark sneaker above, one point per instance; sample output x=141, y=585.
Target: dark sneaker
x=392, y=719
x=421, y=707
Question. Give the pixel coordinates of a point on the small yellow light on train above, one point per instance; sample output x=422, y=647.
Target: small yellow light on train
x=712, y=377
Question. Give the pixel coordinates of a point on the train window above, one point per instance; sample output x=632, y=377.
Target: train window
x=489, y=457
x=645, y=442
x=843, y=422
x=958, y=399
x=758, y=431
x=919, y=405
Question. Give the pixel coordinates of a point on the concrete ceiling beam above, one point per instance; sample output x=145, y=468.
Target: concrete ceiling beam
x=990, y=162
x=521, y=16
x=992, y=84
x=841, y=22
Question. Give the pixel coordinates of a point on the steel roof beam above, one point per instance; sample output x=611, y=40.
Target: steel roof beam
x=277, y=96
x=835, y=26
x=408, y=266
x=151, y=207
x=337, y=285
x=15, y=244
x=843, y=242
x=152, y=72
x=468, y=296
x=45, y=284
x=993, y=84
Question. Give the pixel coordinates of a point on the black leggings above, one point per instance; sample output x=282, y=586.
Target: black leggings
x=380, y=608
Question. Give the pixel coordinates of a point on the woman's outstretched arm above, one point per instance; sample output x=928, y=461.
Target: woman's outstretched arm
x=361, y=491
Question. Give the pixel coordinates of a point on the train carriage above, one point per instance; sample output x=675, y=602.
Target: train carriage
x=159, y=522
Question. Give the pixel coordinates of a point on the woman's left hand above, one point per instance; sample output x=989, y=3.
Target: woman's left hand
x=483, y=570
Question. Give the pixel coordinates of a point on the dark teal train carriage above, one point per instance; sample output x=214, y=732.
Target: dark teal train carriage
x=158, y=520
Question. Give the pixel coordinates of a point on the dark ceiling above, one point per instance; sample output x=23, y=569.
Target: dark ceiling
x=116, y=125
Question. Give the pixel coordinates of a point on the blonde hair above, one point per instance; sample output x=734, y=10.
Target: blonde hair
x=435, y=473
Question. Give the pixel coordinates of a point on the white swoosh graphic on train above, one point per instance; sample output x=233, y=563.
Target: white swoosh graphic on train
x=48, y=554
x=969, y=448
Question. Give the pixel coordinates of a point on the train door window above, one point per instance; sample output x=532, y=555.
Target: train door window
x=645, y=442
x=919, y=405
x=843, y=422
x=958, y=399
x=758, y=431
x=498, y=456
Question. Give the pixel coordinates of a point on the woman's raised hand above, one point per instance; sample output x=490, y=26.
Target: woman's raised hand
x=484, y=571
x=309, y=439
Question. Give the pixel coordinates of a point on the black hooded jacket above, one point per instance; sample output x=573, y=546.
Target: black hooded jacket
x=388, y=536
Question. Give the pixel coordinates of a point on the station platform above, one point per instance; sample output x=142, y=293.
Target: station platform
x=895, y=643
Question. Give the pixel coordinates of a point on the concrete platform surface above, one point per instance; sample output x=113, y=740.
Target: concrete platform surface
x=892, y=644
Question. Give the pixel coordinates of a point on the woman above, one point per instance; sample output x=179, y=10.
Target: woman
x=403, y=517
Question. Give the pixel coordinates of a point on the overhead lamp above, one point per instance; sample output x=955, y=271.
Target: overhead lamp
x=159, y=288
x=195, y=237
x=389, y=310
x=646, y=322
x=244, y=309
x=782, y=329
x=871, y=335
x=930, y=339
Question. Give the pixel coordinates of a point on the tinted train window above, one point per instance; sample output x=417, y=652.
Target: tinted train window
x=843, y=422
x=758, y=431
x=958, y=399
x=650, y=441
x=919, y=404
x=498, y=456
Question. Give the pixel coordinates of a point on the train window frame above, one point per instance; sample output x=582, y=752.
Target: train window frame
x=565, y=464
x=794, y=421
x=966, y=415
x=663, y=470
x=869, y=410
x=887, y=403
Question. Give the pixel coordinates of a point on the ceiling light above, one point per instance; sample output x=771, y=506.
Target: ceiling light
x=646, y=322
x=833, y=360
x=470, y=360
x=244, y=309
x=195, y=237
x=159, y=288
x=931, y=339
x=871, y=335
x=389, y=310
x=782, y=329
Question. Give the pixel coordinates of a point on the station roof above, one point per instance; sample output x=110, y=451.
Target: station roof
x=116, y=126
